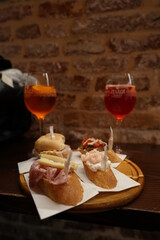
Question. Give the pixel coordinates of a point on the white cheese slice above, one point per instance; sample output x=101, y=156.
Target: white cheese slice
x=53, y=158
x=50, y=163
x=57, y=160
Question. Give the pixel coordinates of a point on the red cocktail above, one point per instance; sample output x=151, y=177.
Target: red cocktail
x=120, y=99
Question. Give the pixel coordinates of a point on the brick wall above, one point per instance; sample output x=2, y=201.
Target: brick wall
x=83, y=43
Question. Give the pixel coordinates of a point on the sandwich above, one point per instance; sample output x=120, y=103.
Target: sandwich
x=90, y=144
x=49, y=145
x=98, y=170
x=56, y=178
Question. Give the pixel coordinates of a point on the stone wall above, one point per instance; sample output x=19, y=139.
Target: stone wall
x=83, y=43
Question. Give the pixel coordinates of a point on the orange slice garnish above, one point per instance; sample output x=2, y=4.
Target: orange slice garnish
x=44, y=90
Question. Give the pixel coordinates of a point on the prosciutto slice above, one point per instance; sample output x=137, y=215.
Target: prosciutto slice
x=53, y=175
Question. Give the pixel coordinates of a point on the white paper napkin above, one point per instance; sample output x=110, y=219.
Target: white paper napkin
x=123, y=182
x=122, y=156
x=47, y=208
x=24, y=166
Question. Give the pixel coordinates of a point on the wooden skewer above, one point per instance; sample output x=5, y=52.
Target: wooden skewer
x=110, y=141
x=103, y=162
x=51, y=129
x=67, y=163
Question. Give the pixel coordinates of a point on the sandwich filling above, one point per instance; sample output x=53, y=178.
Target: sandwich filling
x=53, y=175
x=92, y=143
x=93, y=159
x=51, y=168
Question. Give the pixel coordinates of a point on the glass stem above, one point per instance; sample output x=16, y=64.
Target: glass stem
x=41, y=126
x=118, y=124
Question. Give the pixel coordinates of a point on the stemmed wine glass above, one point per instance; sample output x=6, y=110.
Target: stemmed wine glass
x=39, y=95
x=120, y=99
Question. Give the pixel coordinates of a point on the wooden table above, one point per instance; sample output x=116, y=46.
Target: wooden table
x=142, y=213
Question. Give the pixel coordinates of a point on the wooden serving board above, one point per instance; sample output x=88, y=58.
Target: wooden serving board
x=106, y=201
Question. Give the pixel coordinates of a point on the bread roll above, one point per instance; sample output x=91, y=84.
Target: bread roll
x=56, y=180
x=45, y=142
x=56, y=146
x=69, y=193
x=97, y=168
x=105, y=179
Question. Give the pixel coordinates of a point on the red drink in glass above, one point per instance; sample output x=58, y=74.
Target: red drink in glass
x=39, y=99
x=120, y=99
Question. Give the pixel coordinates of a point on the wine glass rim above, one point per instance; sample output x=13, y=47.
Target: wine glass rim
x=115, y=79
x=37, y=72
x=34, y=78
x=121, y=85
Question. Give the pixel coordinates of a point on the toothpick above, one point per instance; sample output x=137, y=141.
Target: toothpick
x=103, y=162
x=67, y=163
x=130, y=80
x=110, y=141
x=52, y=132
x=47, y=79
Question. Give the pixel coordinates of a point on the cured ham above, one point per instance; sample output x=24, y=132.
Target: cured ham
x=53, y=175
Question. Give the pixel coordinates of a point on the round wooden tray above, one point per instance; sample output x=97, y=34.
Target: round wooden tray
x=107, y=201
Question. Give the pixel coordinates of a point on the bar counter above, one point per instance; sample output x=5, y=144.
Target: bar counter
x=142, y=213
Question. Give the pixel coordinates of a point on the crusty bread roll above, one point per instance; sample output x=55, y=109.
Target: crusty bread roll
x=56, y=178
x=105, y=179
x=97, y=168
x=46, y=143
x=113, y=157
x=69, y=193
